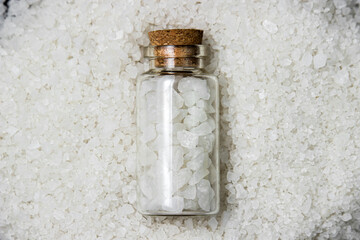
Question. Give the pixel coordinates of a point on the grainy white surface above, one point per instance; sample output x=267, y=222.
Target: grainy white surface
x=289, y=73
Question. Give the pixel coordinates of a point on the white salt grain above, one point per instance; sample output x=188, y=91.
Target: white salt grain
x=319, y=60
x=306, y=59
x=11, y=130
x=204, y=128
x=198, y=175
x=126, y=209
x=339, y=3
x=213, y=223
x=270, y=26
x=205, y=194
x=189, y=223
x=346, y=217
x=190, y=204
x=189, y=192
x=181, y=178
x=190, y=98
x=198, y=113
x=149, y=133
x=187, y=139
x=176, y=205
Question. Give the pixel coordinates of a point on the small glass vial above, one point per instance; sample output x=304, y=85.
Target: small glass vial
x=177, y=128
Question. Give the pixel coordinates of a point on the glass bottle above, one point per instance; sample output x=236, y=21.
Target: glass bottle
x=177, y=128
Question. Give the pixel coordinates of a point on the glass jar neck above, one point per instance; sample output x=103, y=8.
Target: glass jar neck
x=176, y=64
x=176, y=57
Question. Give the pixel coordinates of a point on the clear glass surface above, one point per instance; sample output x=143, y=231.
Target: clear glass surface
x=177, y=143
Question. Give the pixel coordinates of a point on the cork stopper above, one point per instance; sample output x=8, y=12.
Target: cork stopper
x=176, y=37
x=176, y=48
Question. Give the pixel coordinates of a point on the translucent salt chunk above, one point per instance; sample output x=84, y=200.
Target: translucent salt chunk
x=177, y=99
x=168, y=127
x=189, y=192
x=180, y=115
x=306, y=205
x=177, y=158
x=213, y=223
x=150, y=204
x=190, y=98
x=193, y=153
x=319, y=60
x=200, y=161
x=306, y=59
x=189, y=223
x=175, y=112
x=149, y=133
x=192, y=84
x=146, y=186
x=198, y=114
x=210, y=108
x=205, y=194
x=185, y=85
x=201, y=104
x=204, y=203
x=198, y=176
x=176, y=205
x=207, y=142
x=187, y=139
x=213, y=173
x=204, y=128
x=161, y=143
x=34, y=144
x=342, y=77
x=176, y=128
x=190, y=121
x=190, y=204
x=147, y=86
x=151, y=116
x=339, y=4
x=126, y=209
x=346, y=217
x=225, y=218
x=181, y=178
x=285, y=62
x=147, y=156
x=151, y=100
x=204, y=94
x=11, y=130
x=270, y=26
x=213, y=202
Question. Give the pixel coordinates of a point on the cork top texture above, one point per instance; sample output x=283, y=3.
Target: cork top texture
x=176, y=37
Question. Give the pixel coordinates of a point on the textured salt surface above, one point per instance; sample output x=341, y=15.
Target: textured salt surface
x=289, y=76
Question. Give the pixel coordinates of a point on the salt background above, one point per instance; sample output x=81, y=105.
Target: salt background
x=290, y=156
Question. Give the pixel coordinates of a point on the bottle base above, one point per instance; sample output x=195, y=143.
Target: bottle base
x=185, y=213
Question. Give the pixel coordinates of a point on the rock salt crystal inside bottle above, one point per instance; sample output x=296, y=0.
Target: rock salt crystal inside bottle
x=177, y=128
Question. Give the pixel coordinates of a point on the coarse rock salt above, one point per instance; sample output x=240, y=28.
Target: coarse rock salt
x=189, y=192
x=306, y=59
x=270, y=26
x=346, y=217
x=325, y=103
x=187, y=139
x=213, y=223
x=339, y=3
x=191, y=162
x=320, y=60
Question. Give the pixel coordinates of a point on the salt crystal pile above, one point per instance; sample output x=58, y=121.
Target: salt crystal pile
x=177, y=164
x=67, y=79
